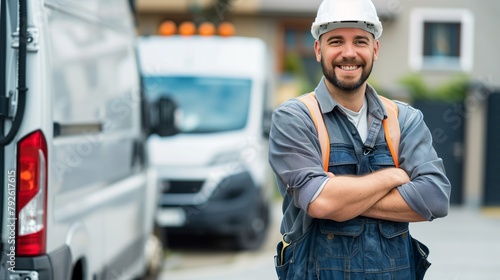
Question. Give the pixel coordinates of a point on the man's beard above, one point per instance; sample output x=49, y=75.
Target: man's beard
x=347, y=87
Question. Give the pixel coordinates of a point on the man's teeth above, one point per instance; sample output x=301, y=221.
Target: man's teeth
x=349, y=68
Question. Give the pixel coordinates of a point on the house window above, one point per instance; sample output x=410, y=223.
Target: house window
x=441, y=39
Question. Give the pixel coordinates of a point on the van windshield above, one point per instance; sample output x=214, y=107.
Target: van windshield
x=207, y=104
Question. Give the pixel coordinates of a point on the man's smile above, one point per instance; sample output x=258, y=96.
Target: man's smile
x=348, y=67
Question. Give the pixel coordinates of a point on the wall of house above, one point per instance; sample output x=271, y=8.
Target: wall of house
x=395, y=43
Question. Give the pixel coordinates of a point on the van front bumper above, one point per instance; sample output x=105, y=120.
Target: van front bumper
x=227, y=211
x=56, y=265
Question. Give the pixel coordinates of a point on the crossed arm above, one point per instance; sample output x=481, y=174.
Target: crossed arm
x=387, y=194
x=373, y=195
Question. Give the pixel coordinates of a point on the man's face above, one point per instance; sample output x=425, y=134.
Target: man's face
x=346, y=56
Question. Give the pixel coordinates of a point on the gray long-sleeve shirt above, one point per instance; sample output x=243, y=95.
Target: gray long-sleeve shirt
x=295, y=156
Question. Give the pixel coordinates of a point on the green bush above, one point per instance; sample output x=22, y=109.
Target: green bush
x=452, y=90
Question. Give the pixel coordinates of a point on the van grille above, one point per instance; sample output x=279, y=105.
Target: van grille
x=181, y=187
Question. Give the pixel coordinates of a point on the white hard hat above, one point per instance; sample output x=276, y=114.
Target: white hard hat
x=334, y=14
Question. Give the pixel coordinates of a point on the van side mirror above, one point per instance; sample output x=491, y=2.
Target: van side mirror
x=164, y=115
x=266, y=123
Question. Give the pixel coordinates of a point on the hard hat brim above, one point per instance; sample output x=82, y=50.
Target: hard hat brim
x=318, y=30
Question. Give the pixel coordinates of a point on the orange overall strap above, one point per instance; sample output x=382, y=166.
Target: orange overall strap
x=312, y=105
x=391, y=128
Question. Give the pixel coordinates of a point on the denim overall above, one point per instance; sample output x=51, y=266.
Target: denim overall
x=358, y=249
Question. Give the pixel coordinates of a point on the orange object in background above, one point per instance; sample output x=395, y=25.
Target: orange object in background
x=226, y=29
x=187, y=28
x=167, y=28
x=206, y=29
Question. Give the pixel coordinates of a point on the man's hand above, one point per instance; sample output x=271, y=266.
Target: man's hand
x=393, y=207
x=400, y=176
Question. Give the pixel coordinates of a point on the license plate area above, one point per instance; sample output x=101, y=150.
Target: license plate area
x=172, y=217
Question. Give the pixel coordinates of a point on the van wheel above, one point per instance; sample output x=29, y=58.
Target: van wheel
x=254, y=234
x=77, y=273
x=154, y=255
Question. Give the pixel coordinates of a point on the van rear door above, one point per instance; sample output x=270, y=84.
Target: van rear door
x=14, y=45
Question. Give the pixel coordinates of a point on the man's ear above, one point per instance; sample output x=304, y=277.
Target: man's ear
x=376, y=48
x=317, y=50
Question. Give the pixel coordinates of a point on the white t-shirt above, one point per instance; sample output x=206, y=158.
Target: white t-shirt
x=358, y=119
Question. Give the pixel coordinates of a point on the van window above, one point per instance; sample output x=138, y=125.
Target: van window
x=93, y=69
x=207, y=104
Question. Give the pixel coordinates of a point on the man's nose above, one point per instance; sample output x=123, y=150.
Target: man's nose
x=349, y=51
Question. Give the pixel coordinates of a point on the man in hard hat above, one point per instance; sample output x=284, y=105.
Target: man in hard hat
x=351, y=221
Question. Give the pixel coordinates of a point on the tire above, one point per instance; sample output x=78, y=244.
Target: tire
x=154, y=255
x=255, y=232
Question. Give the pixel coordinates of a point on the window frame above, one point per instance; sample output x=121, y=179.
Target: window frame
x=420, y=16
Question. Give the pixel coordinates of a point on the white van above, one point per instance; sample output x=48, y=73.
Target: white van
x=212, y=168
x=75, y=198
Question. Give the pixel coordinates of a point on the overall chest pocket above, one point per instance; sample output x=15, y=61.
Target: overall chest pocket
x=380, y=159
x=342, y=160
x=339, y=240
x=394, y=236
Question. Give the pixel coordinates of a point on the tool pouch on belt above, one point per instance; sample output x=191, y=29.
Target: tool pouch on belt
x=282, y=259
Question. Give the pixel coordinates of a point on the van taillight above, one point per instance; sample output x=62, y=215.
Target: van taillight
x=31, y=195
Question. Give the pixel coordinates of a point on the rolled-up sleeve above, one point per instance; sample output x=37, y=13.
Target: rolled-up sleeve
x=294, y=153
x=428, y=192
